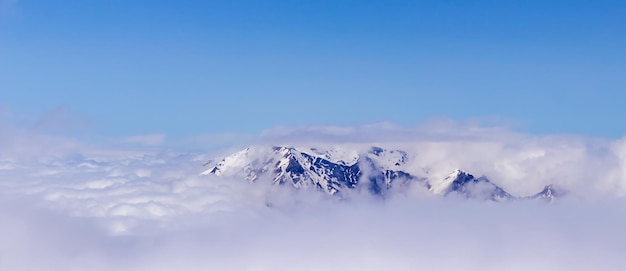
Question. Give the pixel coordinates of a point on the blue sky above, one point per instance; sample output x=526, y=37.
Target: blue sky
x=185, y=68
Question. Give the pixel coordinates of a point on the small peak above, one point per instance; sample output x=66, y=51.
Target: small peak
x=549, y=193
x=547, y=189
x=281, y=148
x=461, y=177
x=285, y=151
x=213, y=170
x=376, y=150
x=457, y=173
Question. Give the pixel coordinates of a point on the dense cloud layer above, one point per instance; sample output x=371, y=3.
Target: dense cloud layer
x=68, y=205
x=521, y=163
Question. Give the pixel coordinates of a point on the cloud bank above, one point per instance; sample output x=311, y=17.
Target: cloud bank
x=520, y=163
x=69, y=205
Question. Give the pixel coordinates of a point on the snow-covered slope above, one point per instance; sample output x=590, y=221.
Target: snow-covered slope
x=338, y=168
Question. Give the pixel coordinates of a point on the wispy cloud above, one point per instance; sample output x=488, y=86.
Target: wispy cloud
x=148, y=140
x=61, y=119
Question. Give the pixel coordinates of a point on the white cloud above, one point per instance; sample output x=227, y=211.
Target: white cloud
x=76, y=206
x=401, y=234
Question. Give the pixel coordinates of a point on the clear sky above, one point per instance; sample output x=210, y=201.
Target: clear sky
x=194, y=67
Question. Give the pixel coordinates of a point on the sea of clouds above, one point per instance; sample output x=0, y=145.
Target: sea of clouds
x=71, y=205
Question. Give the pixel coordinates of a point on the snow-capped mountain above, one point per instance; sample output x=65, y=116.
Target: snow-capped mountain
x=329, y=170
x=336, y=169
x=549, y=194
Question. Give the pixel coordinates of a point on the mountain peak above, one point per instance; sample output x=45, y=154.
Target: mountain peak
x=549, y=193
x=460, y=182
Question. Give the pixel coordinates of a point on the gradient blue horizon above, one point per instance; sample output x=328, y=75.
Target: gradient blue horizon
x=195, y=67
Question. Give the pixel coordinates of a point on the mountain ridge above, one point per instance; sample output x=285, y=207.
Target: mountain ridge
x=336, y=169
